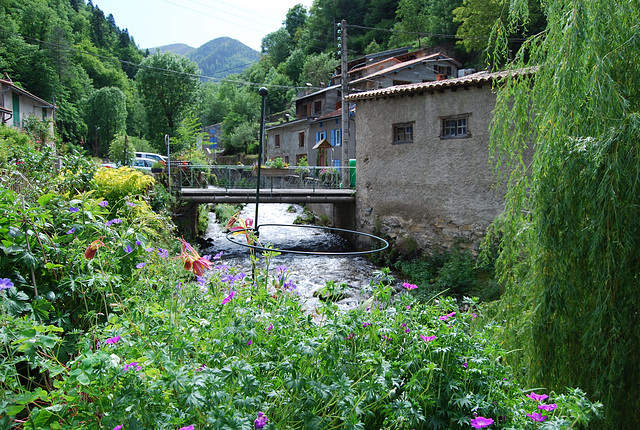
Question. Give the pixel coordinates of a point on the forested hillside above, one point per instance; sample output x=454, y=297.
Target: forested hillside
x=70, y=52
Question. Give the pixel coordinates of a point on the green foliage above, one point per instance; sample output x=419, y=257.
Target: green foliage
x=106, y=116
x=224, y=212
x=37, y=129
x=167, y=97
x=115, y=185
x=570, y=249
x=122, y=150
x=188, y=135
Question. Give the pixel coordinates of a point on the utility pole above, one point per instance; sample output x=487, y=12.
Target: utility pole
x=344, y=67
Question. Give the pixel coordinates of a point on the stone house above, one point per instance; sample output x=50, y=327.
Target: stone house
x=17, y=104
x=423, y=173
x=318, y=114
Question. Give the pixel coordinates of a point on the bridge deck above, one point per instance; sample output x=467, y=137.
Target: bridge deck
x=271, y=195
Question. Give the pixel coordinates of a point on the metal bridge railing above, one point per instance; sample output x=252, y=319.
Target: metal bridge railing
x=245, y=177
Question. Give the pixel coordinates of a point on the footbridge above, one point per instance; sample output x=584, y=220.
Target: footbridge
x=238, y=184
x=328, y=191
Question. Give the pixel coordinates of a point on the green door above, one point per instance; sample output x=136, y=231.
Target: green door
x=16, y=110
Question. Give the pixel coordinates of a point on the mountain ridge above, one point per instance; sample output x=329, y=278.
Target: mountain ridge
x=218, y=57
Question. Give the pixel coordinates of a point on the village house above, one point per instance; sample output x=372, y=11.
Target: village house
x=17, y=104
x=423, y=173
x=316, y=133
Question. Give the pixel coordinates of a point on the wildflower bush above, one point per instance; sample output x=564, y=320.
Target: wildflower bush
x=106, y=325
x=115, y=184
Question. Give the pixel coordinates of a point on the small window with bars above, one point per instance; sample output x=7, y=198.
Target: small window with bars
x=455, y=127
x=403, y=133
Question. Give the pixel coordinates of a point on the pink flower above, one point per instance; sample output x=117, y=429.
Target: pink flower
x=427, y=338
x=409, y=286
x=270, y=327
x=481, y=422
x=186, y=428
x=537, y=417
x=548, y=408
x=537, y=397
x=250, y=342
x=119, y=427
x=228, y=298
x=447, y=316
x=133, y=365
x=112, y=340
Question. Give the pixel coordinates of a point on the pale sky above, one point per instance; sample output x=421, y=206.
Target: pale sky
x=195, y=22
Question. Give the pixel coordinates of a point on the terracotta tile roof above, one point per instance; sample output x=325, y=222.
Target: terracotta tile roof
x=24, y=92
x=474, y=79
x=335, y=113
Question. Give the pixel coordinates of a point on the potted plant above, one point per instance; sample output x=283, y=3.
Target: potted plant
x=157, y=167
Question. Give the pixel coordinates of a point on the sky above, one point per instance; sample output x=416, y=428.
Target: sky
x=155, y=23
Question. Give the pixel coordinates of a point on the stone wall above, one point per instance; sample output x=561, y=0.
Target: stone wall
x=435, y=191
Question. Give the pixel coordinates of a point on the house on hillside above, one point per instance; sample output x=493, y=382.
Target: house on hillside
x=318, y=114
x=423, y=161
x=17, y=104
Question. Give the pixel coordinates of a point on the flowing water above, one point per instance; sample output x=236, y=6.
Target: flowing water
x=308, y=272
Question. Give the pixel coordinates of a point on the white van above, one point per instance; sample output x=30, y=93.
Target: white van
x=152, y=156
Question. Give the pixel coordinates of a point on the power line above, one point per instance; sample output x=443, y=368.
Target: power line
x=157, y=69
x=427, y=34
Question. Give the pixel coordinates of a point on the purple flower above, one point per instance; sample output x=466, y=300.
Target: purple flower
x=140, y=265
x=133, y=365
x=217, y=256
x=112, y=340
x=73, y=209
x=150, y=249
x=408, y=307
x=250, y=342
x=118, y=427
x=103, y=204
x=228, y=298
x=289, y=286
x=537, y=417
x=548, y=408
x=270, y=327
x=447, y=316
x=409, y=286
x=281, y=268
x=186, y=428
x=427, y=338
x=113, y=221
x=163, y=253
x=179, y=285
x=5, y=284
x=261, y=421
x=73, y=230
x=128, y=249
x=138, y=243
x=537, y=397
x=131, y=205
x=365, y=325
x=202, y=280
x=481, y=422
x=465, y=365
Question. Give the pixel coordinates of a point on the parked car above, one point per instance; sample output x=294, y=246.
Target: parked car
x=142, y=163
x=152, y=156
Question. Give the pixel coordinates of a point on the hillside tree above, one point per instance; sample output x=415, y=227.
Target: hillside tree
x=168, y=85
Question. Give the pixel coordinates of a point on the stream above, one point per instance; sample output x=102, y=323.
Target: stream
x=308, y=272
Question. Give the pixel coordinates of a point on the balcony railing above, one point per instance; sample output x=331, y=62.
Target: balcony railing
x=245, y=177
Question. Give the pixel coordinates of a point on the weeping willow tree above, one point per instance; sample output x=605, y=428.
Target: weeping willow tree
x=568, y=131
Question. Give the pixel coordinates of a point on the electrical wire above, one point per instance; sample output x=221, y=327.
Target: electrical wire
x=168, y=72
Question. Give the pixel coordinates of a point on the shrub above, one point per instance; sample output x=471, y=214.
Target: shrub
x=116, y=184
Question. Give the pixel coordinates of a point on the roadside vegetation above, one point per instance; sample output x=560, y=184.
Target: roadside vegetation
x=110, y=321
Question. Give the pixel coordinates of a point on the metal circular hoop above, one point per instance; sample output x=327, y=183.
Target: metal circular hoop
x=291, y=251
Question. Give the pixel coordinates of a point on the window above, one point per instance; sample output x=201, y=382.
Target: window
x=277, y=141
x=396, y=82
x=300, y=157
x=16, y=110
x=320, y=135
x=336, y=137
x=286, y=159
x=403, y=133
x=317, y=107
x=301, y=139
x=455, y=127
